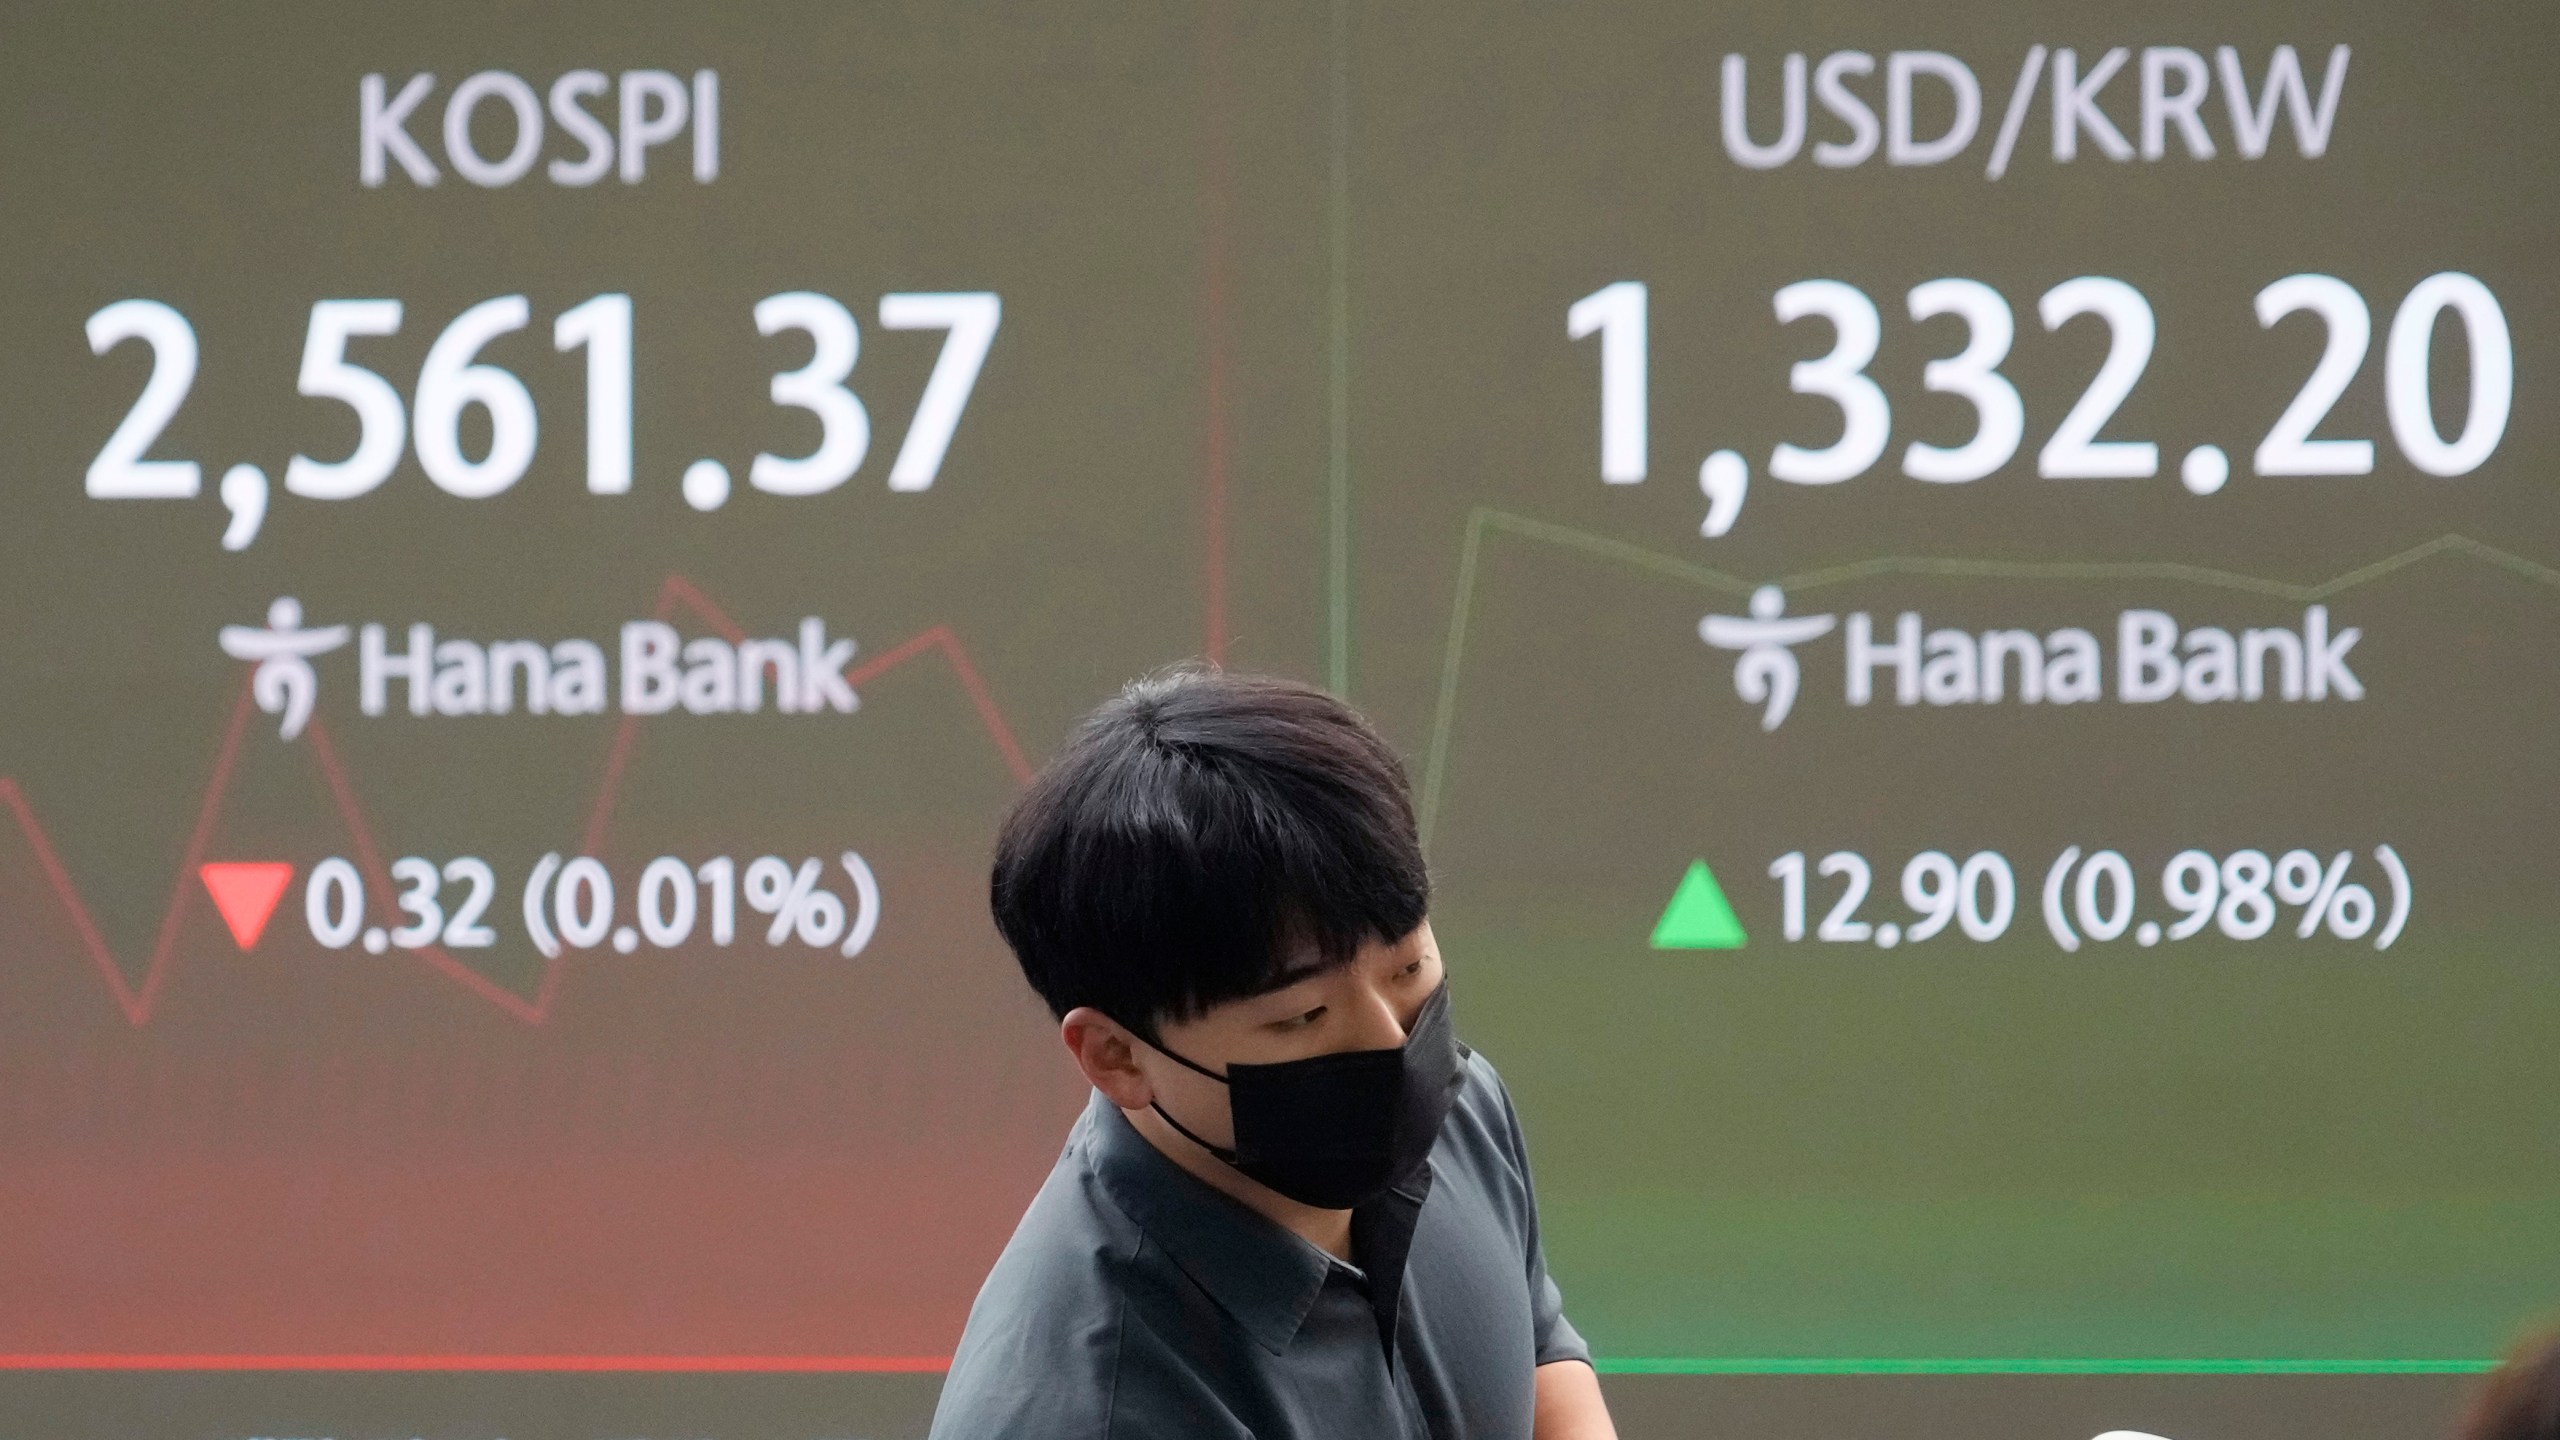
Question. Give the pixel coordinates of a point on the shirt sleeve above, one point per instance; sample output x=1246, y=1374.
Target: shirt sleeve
x=1555, y=1335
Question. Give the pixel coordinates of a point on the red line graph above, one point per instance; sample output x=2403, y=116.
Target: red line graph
x=138, y=1002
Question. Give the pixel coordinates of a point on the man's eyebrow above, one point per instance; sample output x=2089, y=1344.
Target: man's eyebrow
x=1291, y=974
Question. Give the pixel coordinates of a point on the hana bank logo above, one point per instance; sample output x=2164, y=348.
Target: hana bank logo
x=1765, y=673
x=284, y=682
x=660, y=670
x=2155, y=659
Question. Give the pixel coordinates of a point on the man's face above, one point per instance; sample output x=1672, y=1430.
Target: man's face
x=1369, y=1004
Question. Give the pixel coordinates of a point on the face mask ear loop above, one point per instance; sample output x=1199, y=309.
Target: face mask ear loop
x=1187, y=1064
x=1221, y=1151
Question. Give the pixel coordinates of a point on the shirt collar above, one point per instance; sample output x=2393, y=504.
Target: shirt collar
x=1261, y=1274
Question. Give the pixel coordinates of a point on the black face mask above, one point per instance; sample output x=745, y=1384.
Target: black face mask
x=1336, y=1130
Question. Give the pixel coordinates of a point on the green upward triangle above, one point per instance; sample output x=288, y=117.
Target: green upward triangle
x=1698, y=917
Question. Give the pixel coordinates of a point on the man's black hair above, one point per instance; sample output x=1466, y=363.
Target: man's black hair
x=1201, y=838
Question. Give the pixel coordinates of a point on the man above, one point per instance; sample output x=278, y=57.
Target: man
x=1295, y=1207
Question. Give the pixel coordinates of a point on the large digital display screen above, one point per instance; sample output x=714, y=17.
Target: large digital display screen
x=1971, y=598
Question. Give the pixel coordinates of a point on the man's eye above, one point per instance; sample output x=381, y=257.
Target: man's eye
x=1300, y=1022
x=1414, y=969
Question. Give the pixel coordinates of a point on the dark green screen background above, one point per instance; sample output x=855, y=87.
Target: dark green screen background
x=1282, y=379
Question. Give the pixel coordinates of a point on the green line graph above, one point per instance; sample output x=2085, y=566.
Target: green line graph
x=1484, y=520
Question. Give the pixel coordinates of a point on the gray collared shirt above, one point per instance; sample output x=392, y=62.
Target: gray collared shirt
x=1137, y=1301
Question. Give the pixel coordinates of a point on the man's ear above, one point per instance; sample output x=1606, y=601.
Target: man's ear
x=1107, y=1054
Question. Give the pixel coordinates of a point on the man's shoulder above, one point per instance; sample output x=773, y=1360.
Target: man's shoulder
x=1060, y=1344
x=1482, y=1083
x=1068, y=1250
x=1052, y=1374
x=1042, y=1342
x=1483, y=1128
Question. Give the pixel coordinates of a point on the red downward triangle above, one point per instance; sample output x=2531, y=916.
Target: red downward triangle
x=246, y=891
